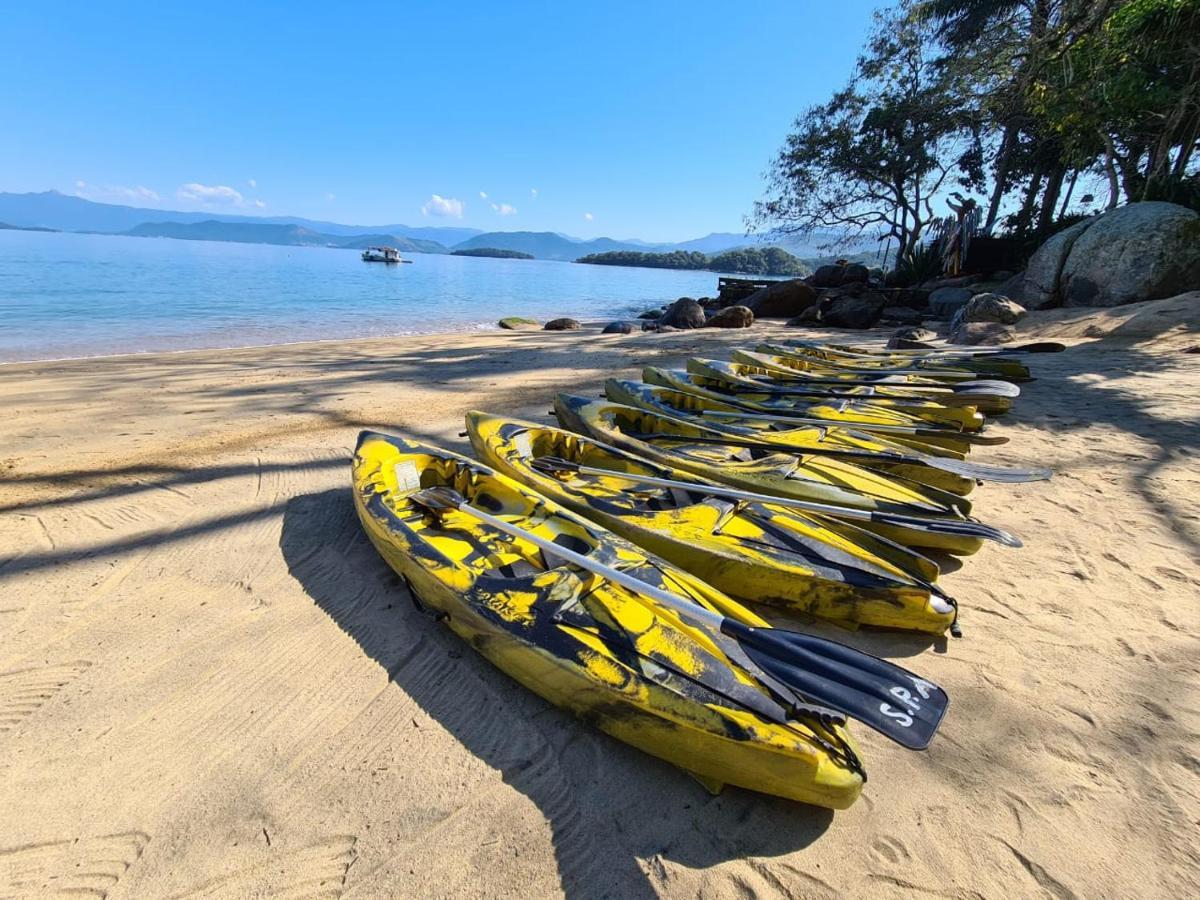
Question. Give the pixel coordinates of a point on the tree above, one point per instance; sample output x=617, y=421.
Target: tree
x=872, y=159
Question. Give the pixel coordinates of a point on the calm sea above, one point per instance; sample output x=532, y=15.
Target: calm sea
x=71, y=295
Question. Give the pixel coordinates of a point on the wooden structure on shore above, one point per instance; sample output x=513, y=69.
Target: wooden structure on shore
x=731, y=290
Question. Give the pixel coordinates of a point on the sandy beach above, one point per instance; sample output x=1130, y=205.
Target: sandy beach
x=210, y=685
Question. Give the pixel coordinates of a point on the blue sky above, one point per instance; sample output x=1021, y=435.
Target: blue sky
x=652, y=120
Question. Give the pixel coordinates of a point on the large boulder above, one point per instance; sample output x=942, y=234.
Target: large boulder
x=563, y=324
x=683, y=313
x=826, y=276
x=1143, y=251
x=731, y=317
x=992, y=308
x=944, y=302
x=1039, y=284
x=810, y=316
x=651, y=314
x=982, y=333
x=620, y=328
x=855, y=272
x=852, y=312
x=781, y=300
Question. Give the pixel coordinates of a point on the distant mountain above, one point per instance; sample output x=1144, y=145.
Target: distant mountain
x=4, y=226
x=546, y=244
x=56, y=211
x=60, y=211
x=287, y=235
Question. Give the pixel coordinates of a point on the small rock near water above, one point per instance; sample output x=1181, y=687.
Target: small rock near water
x=563, y=324
x=516, y=323
x=992, y=308
x=620, y=328
x=683, y=313
x=855, y=272
x=651, y=313
x=911, y=339
x=731, y=317
x=781, y=300
x=982, y=333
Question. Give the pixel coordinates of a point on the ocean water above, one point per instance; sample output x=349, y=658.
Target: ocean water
x=74, y=295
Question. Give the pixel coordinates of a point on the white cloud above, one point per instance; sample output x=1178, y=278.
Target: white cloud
x=210, y=195
x=588, y=216
x=260, y=204
x=443, y=206
x=483, y=195
x=252, y=182
x=115, y=193
x=533, y=193
x=504, y=209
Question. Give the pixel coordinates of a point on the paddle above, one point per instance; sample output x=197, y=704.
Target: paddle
x=893, y=701
x=977, y=471
x=556, y=466
x=907, y=430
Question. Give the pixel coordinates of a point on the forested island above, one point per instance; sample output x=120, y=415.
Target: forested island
x=493, y=252
x=744, y=260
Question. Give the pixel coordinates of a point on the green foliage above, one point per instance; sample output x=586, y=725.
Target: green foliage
x=493, y=252
x=918, y=264
x=746, y=260
x=872, y=157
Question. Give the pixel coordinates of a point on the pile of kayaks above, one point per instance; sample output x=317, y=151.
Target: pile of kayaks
x=597, y=562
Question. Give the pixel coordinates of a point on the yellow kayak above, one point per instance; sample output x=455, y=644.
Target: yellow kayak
x=676, y=443
x=758, y=552
x=859, y=414
x=933, y=364
x=642, y=674
x=737, y=378
x=776, y=430
x=991, y=397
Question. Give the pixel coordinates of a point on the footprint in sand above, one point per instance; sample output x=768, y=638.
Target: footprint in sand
x=890, y=850
x=87, y=867
x=318, y=871
x=23, y=691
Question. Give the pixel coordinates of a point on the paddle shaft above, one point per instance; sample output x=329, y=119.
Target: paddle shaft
x=681, y=605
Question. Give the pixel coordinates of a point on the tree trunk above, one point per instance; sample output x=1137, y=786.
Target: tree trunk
x=1002, y=164
x=1026, y=214
x=1070, y=190
x=1110, y=168
x=1050, y=198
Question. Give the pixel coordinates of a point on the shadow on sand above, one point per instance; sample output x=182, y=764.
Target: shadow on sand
x=615, y=813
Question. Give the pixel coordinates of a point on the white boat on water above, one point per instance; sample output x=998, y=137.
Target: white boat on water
x=383, y=255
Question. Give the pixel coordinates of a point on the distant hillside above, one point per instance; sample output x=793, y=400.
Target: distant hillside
x=747, y=261
x=4, y=226
x=493, y=252
x=544, y=244
x=62, y=212
x=287, y=235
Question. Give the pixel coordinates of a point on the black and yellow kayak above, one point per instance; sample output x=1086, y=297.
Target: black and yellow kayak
x=790, y=433
x=859, y=414
x=989, y=396
x=932, y=364
x=738, y=378
x=648, y=653
x=714, y=456
x=757, y=551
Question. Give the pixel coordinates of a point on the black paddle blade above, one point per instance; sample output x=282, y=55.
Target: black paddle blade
x=884, y=696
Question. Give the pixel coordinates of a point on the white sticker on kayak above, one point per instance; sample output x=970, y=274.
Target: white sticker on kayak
x=522, y=444
x=407, y=476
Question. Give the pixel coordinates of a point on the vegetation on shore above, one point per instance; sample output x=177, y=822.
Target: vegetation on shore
x=1017, y=102
x=745, y=260
x=493, y=252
